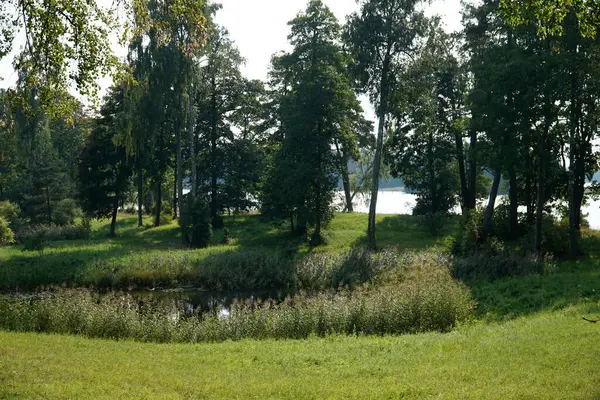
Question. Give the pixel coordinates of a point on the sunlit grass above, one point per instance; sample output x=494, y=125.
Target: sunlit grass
x=546, y=356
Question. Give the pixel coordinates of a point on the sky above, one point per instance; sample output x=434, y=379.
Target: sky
x=259, y=28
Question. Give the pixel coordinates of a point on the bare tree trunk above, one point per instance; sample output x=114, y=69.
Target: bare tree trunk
x=489, y=212
x=378, y=151
x=115, y=210
x=539, y=212
x=192, y=142
x=460, y=157
x=473, y=170
x=345, y=178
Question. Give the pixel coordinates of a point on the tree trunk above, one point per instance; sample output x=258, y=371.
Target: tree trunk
x=514, y=202
x=345, y=178
x=192, y=142
x=573, y=129
x=175, y=186
x=460, y=157
x=213, y=159
x=489, y=212
x=378, y=150
x=140, y=195
x=115, y=210
x=158, y=202
x=179, y=176
x=539, y=211
x=472, y=203
x=529, y=189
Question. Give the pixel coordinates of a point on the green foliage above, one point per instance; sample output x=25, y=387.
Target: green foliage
x=467, y=237
x=317, y=109
x=65, y=212
x=195, y=222
x=7, y=236
x=52, y=233
x=9, y=211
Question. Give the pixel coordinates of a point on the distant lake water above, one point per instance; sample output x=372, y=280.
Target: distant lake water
x=398, y=202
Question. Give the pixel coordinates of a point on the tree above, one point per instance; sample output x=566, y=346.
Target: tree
x=68, y=42
x=380, y=39
x=317, y=110
x=105, y=168
x=421, y=149
x=219, y=96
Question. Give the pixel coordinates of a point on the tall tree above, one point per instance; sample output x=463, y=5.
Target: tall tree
x=105, y=168
x=380, y=38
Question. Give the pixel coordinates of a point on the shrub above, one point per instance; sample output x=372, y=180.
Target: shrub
x=466, y=239
x=86, y=228
x=53, y=233
x=7, y=236
x=65, y=212
x=9, y=211
x=195, y=222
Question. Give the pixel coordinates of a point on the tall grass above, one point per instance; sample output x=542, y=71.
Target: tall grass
x=426, y=298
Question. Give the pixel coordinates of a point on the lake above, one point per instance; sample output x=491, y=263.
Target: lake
x=398, y=202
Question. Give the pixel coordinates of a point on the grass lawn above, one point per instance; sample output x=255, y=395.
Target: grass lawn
x=547, y=356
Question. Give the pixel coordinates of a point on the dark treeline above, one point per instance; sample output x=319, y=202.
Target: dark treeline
x=460, y=116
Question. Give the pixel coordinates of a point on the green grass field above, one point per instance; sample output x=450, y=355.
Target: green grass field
x=528, y=339
x=546, y=356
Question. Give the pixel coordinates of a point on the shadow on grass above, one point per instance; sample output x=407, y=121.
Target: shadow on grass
x=407, y=232
x=154, y=257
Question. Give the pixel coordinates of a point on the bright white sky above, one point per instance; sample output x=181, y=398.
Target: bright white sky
x=259, y=28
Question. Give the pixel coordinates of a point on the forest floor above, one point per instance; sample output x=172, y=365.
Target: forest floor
x=528, y=339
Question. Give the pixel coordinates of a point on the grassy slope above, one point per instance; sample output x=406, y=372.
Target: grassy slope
x=529, y=341
x=548, y=356
x=87, y=262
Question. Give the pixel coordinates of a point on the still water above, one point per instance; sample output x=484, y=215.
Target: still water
x=397, y=202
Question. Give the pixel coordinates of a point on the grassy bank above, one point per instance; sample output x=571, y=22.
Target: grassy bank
x=547, y=356
x=149, y=258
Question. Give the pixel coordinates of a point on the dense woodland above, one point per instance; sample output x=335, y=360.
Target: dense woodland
x=512, y=102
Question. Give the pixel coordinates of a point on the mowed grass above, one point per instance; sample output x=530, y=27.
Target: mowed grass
x=547, y=356
x=134, y=253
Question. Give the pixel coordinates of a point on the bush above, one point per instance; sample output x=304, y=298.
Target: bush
x=467, y=237
x=9, y=211
x=53, y=233
x=7, y=236
x=65, y=212
x=195, y=222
